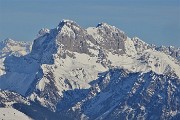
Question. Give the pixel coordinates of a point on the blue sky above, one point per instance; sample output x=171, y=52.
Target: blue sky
x=154, y=21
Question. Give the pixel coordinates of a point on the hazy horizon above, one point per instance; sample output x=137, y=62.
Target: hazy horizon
x=154, y=21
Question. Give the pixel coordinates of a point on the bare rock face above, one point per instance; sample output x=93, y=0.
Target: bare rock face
x=68, y=36
x=109, y=37
x=140, y=45
x=8, y=98
x=172, y=51
x=73, y=37
x=113, y=37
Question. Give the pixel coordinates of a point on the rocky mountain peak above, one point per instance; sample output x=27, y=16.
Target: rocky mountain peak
x=108, y=27
x=96, y=73
x=109, y=37
x=43, y=31
x=70, y=24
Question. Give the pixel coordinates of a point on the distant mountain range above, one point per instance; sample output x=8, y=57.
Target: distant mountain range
x=98, y=73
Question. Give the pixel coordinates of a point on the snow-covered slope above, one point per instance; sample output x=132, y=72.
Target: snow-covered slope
x=119, y=94
x=71, y=68
x=171, y=51
x=12, y=114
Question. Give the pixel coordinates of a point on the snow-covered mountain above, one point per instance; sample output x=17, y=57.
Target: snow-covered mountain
x=16, y=48
x=93, y=73
x=9, y=47
x=119, y=94
x=170, y=50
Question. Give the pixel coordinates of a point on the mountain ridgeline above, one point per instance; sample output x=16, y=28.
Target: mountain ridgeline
x=96, y=73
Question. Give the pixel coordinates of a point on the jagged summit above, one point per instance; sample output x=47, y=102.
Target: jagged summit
x=68, y=23
x=93, y=73
x=7, y=40
x=107, y=26
x=102, y=24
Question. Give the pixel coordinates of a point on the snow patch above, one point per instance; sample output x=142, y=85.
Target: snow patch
x=12, y=114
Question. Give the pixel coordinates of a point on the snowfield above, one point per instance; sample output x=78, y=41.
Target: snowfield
x=12, y=114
